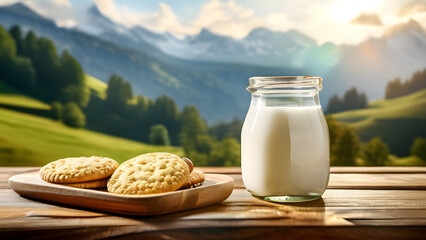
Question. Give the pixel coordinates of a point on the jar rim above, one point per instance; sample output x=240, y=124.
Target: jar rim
x=284, y=84
x=306, y=77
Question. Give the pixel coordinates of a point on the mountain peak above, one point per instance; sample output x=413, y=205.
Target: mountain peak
x=260, y=30
x=23, y=10
x=94, y=10
x=287, y=38
x=97, y=23
x=206, y=35
x=18, y=7
x=402, y=28
x=95, y=13
x=205, y=32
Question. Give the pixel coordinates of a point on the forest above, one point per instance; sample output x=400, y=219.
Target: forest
x=32, y=65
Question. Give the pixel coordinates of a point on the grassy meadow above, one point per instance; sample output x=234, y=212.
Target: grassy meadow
x=30, y=140
x=409, y=106
x=96, y=86
x=396, y=121
x=10, y=96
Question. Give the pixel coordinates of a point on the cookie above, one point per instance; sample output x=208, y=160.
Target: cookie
x=190, y=164
x=196, y=178
x=102, y=183
x=78, y=169
x=149, y=173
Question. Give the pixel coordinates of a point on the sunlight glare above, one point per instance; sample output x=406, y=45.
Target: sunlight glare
x=346, y=10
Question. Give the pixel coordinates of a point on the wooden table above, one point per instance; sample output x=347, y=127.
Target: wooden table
x=360, y=203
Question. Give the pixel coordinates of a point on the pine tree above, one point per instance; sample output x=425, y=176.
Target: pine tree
x=159, y=135
x=47, y=65
x=335, y=105
x=16, y=70
x=226, y=153
x=16, y=33
x=192, y=126
x=119, y=92
x=345, y=150
x=73, y=116
x=375, y=152
x=419, y=148
x=166, y=112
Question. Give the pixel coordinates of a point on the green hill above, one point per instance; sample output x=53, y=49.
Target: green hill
x=97, y=87
x=29, y=140
x=10, y=96
x=397, y=121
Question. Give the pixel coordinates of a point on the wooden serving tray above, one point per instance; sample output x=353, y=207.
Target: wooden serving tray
x=215, y=189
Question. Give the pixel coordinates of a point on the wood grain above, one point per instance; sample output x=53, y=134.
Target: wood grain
x=7, y=172
x=366, y=181
x=361, y=203
x=383, y=170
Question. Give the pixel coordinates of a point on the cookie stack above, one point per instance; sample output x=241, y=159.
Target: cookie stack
x=145, y=174
x=82, y=172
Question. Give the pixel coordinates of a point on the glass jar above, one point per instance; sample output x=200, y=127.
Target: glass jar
x=285, y=150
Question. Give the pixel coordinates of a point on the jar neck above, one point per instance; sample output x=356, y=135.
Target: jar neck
x=285, y=100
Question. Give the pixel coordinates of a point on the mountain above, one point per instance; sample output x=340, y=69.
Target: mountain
x=396, y=121
x=21, y=10
x=405, y=40
x=260, y=47
x=97, y=23
x=217, y=89
x=211, y=71
x=370, y=65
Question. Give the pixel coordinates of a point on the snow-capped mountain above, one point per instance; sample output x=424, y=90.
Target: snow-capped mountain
x=280, y=48
x=96, y=23
x=191, y=69
x=261, y=46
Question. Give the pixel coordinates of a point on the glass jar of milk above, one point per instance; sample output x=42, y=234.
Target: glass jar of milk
x=285, y=151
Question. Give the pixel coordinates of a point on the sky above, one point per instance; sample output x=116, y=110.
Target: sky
x=337, y=21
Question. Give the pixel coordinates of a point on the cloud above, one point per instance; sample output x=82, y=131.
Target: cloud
x=164, y=19
x=108, y=8
x=412, y=8
x=279, y=21
x=224, y=18
x=227, y=18
x=63, y=3
x=367, y=19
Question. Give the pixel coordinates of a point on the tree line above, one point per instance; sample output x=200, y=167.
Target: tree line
x=32, y=65
x=351, y=100
x=161, y=122
x=346, y=149
x=416, y=82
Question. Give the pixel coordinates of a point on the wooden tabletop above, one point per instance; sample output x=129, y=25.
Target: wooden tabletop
x=360, y=203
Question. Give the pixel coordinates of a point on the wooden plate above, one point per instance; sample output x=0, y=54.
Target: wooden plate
x=214, y=190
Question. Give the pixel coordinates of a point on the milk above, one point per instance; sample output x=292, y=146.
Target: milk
x=285, y=151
